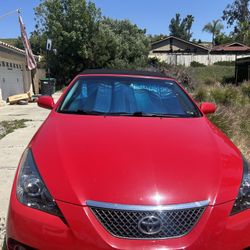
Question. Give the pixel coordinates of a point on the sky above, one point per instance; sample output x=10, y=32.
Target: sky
x=152, y=15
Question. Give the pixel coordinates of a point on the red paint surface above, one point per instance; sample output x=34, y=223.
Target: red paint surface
x=136, y=161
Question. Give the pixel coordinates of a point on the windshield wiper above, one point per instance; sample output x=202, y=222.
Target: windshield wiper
x=144, y=114
x=135, y=114
x=187, y=115
x=82, y=112
x=155, y=115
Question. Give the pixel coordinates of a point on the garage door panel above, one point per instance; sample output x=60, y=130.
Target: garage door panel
x=11, y=82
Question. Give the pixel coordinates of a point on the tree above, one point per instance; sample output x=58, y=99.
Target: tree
x=121, y=44
x=84, y=39
x=38, y=43
x=214, y=28
x=237, y=14
x=72, y=25
x=181, y=27
x=18, y=43
x=155, y=38
x=222, y=38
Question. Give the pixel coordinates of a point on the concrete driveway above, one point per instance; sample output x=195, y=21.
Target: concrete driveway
x=13, y=145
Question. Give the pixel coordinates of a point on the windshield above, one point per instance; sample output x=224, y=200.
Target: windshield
x=127, y=96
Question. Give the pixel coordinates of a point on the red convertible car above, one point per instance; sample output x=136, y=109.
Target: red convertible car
x=127, y=160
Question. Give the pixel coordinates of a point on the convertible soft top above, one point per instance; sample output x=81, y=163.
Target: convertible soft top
x=122, y=72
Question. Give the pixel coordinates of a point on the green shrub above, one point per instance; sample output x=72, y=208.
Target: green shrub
x=245, y=122
x=225, y=63
x=245, y=88
x=197, y=64
x=245, y=126
x=157, y=63
x=234, y=121
x=209, y=81
x=180, y=73
x=226, y=96
x=220, y=74
x=200, y=95
x=222, y=121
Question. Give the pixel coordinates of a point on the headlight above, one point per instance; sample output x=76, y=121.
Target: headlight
x=31, y=190
x=242, y=201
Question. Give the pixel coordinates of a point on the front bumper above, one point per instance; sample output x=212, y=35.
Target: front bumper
x=81, y=230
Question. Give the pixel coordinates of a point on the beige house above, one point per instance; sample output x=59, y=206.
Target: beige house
x=173, y=44
x=176, y=51
x=14, y=76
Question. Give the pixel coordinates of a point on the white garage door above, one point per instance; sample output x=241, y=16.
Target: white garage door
x=11, y=79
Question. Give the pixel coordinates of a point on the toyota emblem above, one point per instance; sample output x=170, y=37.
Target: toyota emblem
x=150, y=225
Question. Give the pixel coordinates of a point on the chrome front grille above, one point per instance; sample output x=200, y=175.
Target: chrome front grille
x=148, y=222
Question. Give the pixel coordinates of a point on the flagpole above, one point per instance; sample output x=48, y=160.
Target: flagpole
x=30, y=59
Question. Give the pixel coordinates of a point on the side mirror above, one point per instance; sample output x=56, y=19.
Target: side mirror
x=46, y=102
x=208, y=107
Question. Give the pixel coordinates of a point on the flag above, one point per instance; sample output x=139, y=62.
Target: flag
x=31, y=62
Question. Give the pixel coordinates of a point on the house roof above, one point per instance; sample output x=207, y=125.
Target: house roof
x=231, y=47
x=182, y=40
x=12, y=48
x=208, y=45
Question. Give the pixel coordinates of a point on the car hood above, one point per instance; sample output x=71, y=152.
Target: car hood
x=136, y=160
